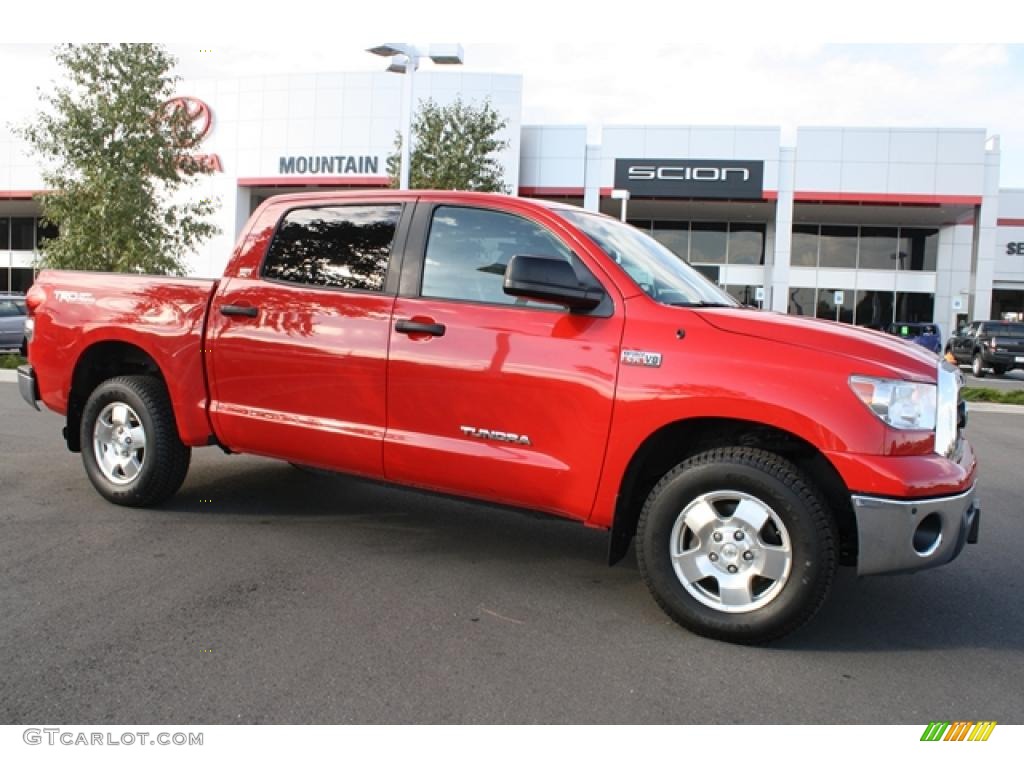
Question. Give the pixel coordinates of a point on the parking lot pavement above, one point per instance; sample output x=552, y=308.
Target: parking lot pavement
x=265, y=594
x=1009, y=380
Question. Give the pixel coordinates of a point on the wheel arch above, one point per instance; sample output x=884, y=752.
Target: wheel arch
x=677, y=441
x=101, y=361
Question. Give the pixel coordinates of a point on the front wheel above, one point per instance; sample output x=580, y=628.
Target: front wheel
x=735, y=544
x=130, y=445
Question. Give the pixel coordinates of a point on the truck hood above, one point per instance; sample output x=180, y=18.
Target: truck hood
x=873, y=347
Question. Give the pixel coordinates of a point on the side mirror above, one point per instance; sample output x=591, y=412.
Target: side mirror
x=551, y=280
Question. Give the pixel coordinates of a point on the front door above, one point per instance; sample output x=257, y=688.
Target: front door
x=298, y=349
x=490, y=396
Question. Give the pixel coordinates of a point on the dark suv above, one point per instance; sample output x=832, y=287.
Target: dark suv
x=994, y=344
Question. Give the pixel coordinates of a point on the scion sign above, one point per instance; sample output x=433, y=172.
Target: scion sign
x=721, y=179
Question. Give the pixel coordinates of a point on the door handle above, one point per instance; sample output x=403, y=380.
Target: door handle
x=412, y=327
x=238, y=310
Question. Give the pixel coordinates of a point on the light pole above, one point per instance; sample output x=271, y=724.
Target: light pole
x=623, y=195
x=405, y=59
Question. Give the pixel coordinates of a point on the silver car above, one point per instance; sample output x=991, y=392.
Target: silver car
x=12, y=321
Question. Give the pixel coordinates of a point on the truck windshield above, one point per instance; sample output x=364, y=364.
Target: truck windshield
x=654, y=268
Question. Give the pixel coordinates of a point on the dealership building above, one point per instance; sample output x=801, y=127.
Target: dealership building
x=863, y=225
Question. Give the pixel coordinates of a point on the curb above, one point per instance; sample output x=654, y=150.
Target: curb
x=980, y=407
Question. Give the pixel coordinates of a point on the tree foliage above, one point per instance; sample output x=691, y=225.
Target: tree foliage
x=454, y=147
x=116, y=161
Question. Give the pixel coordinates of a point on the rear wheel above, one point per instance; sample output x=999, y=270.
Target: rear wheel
x=130, y=445
x=978, y=366
x=735, y=544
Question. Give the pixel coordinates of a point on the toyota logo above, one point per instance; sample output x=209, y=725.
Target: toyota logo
x=196, y=112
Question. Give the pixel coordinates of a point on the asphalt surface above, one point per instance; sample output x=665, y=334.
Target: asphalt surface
x=1010, y=380
x=263, y=594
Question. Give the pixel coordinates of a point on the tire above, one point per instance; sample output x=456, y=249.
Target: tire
x=978, y=366
x=119, y=413
x=1000, y=370
x=793, y=551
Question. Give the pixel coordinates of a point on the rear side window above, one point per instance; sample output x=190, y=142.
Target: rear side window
x=469, y=248
x=343, y=247
x=11, y=308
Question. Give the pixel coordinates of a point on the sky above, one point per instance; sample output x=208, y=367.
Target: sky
x=620, y=71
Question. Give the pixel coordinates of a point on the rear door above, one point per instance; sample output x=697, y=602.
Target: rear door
x=490, y=396
x=298, y=347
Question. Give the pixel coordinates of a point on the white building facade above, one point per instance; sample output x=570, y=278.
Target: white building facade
x=862, y=225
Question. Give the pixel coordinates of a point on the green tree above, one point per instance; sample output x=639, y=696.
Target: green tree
x=454, y=147
x=115, y=162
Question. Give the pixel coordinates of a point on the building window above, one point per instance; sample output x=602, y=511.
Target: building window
x=826, y=305
x=346, y=247
x=879, y=248
x=801, y=301
x=746, y=243
x=5, y=233
x=914, y=307
x=804, y=249
x=674, y=235
x=875, y=309
x=838, y=247
x=21, y=279
x=708, y=242
x=919, y=249
x=23, y=234
x=888, y=248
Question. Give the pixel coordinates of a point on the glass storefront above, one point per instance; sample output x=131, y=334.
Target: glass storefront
x=709, y=242
x=845, y=247
x=871, y=309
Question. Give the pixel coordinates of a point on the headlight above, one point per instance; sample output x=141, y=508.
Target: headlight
x=900, y=404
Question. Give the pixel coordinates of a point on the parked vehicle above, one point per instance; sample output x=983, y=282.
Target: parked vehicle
x=989, y=344
x=12, y=321
x=530, y=354
x=926, y=335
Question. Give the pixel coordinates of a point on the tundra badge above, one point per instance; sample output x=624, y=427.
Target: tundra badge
x=501, y=437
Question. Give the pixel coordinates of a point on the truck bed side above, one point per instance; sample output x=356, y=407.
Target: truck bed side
x=87, y=318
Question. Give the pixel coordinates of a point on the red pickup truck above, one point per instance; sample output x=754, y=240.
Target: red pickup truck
x=533, y=355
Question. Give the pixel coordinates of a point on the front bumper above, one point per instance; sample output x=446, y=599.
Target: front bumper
x=910, y=535
x=28, y=386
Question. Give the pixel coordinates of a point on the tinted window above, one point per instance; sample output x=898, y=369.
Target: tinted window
x=838, y=247
x=801, y=301
x=11, y=308
x=805, y=246
x=1003, y=329
x=707, y=243
x=919, y=249
x=468, y=250
x=5, y=233
x=674, y=235
x=879, y=248
x=345, y=247
x=746, y=243
x=23, y=233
